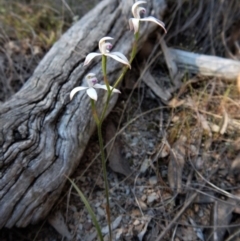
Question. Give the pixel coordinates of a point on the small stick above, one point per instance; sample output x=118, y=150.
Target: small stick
x=179, y=214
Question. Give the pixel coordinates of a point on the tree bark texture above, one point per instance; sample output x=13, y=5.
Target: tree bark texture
x=44, y=134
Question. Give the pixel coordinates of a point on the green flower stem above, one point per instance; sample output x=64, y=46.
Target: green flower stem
x=134, y=50
x=133, y=54
x=106, y=105
x=94, y=112
x=103, y=158
x=104, y=70
x=125, y=69
x=100, y=138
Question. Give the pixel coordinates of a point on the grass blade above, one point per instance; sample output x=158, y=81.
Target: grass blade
x=89, y=209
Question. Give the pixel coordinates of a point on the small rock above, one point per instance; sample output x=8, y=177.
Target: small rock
x=73, y=208
x=153, y=180
x=138, y=228
x=200, y=213
x=136, y=213
x=141, y=188
x=136, y=222
x=134, y=141
x=106, y=238
x=152, y=197
x=193, y=150
x=100, y=211
x=235, y=168
x=128, y=155
x=196, y=208
x=175, y=118
x=149, y=191
x=144, y=198
x=199, y=163
x=87, y=225
x=142, y=205
x=114, y=225
x=144, y=166
x=119, y=233
x=165, y=151
x=80, y=226
x=97, y=204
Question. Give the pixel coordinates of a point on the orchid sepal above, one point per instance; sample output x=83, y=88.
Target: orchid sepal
x=90, y=57
x=105, y=88
x=75, y=90
x=92, y=85
x=134, y=22
x=116, y=56
x=92, y=93
x=104, y=48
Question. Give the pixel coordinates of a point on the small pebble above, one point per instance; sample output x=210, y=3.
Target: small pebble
x=136, y=222
x=153, y=180
x=87, y=226
x=152, y=197
x=144, y=166
x=142, y=205
x=100, y=211
x=144, y=198
x=136, y=213
x=97, y=204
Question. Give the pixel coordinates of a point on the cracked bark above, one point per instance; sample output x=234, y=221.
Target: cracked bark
x=43, y=135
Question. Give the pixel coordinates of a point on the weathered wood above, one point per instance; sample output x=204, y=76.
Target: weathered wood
x=206, y=65
x=44, y=134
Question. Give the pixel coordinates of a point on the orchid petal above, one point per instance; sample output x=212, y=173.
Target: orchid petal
x=120, y=55
x=134, y=24
x=102, y=42
x=115, y=90
x=152, y=19
x=116, y=57
x=131, y=24
x=92, y=93
x=98, y=86
x=135, y=8
x=90, y=57
x=75, y=90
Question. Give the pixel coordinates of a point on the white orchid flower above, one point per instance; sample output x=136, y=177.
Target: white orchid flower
x=136, y=11
x=104, y=48
x=92, y=82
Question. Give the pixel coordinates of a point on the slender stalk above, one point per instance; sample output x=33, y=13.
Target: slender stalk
x=133, y=54
x=100, y=138
x=134, y=49
x=103, y=158
x=105, y=106
x=104, y=70
x=94, y=112
x=104, y=61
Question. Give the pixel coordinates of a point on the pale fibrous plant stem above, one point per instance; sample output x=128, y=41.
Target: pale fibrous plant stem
x=99, y=122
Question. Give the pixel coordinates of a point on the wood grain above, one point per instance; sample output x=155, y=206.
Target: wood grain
x=43, y=135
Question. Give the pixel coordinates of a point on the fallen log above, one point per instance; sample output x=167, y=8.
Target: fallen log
x=44, y=134
x=206, y=65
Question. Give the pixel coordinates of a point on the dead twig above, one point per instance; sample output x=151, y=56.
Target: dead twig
x=183, y=209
